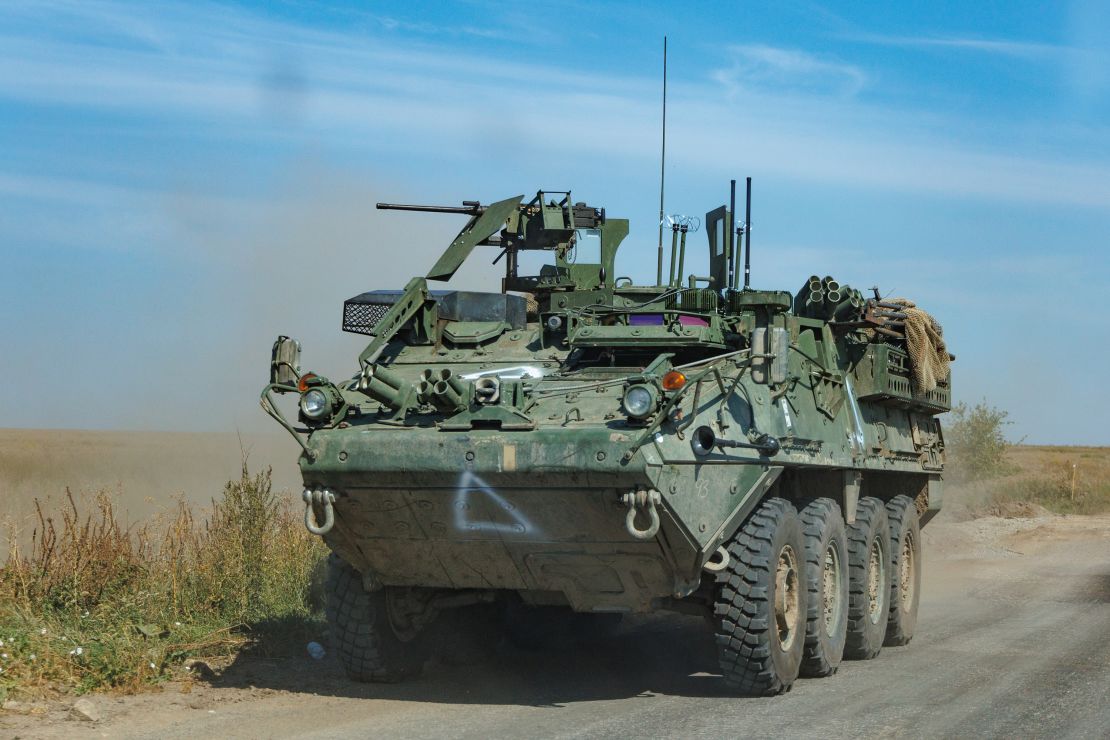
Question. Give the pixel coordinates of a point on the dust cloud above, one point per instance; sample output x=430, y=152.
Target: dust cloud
x=283, y=265
x=191, y=366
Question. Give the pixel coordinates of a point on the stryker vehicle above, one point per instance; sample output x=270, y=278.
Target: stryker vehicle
x=578, y=443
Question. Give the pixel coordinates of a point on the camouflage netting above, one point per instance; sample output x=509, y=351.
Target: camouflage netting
x=925, y=344
x=532, y=306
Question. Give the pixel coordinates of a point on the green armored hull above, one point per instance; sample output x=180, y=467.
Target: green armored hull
x=576, y=441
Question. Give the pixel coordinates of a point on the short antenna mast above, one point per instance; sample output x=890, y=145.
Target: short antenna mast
x=662, y=168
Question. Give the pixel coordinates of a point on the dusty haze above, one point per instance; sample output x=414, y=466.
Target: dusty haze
x=187, y=348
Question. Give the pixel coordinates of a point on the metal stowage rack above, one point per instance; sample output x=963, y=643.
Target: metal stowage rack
x=884, y=375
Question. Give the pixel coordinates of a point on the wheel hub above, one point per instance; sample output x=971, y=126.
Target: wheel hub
x=409, y=611
x=907, y=584
x=830, y=590
x=876, y=581
x=786, y=601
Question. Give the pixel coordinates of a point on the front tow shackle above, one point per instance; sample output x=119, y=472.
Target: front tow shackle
x=636, y=502
x=312, y=499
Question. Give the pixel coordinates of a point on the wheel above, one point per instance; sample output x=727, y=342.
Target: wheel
x=905, y=570
x=868, y=583
x=371, y=635
x=827, y=584
x=760, y=606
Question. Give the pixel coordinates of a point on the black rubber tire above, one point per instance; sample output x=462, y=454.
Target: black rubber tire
x=868, y=593
x=753, y=659
x=826, y=545
x=905, y=579
x=365, y=643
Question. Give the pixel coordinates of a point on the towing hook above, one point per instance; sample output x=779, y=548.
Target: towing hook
x=323, y=498
x=718, y=561
x=636, y=502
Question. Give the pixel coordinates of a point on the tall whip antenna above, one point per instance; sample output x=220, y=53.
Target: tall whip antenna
x=748, y=238
x=662, y=168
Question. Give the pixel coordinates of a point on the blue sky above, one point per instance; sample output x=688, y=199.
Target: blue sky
x=181, y=182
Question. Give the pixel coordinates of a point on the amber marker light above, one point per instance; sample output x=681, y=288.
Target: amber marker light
x=302, y=384
x=673, y=380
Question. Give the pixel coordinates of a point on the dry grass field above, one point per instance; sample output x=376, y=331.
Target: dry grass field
x=1063, y=480
x=144, y=471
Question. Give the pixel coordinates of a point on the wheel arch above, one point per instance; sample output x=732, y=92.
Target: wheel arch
x=848, y=486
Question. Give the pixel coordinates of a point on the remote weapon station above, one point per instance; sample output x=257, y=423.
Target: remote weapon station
x=576, y=443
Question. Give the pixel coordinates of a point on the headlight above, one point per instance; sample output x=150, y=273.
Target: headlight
x=315, y=404
x=640, y=401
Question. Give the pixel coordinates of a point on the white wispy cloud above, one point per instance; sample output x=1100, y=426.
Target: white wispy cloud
x=1002, y=47
x=758, y=66
x=1083, y=64
x=799, y=113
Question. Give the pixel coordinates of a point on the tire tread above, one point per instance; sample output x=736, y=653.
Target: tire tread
x=742, y=607
x=820, y=658
x=864, y=639
x=355, y=633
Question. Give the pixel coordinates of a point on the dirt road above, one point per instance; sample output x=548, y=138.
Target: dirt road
x=1013, y=640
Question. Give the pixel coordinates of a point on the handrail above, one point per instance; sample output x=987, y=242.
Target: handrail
x=267, y=403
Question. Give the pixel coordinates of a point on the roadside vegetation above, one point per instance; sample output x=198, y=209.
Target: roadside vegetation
x=87, y=602
x=994, y=476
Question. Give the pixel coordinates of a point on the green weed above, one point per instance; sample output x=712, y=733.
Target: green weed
x=91, y=604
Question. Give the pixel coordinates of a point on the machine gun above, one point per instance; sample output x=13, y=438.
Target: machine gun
x=539, y=224
x=468, y=208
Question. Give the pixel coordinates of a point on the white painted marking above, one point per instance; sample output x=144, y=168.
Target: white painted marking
x=470, y=484
x=786, y=414
x=507, y=373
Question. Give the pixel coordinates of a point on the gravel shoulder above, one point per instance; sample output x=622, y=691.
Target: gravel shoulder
x=1011, y=642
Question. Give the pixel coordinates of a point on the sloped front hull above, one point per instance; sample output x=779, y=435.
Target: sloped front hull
x=536, y=511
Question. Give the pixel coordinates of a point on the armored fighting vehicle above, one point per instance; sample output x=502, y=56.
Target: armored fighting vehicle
x=575, y=441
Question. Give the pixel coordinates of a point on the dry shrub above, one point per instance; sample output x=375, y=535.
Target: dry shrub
x=93, y=603
x=74, y=567
x=976, y=441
